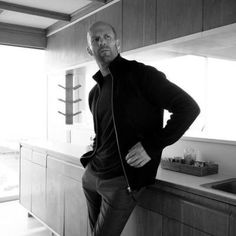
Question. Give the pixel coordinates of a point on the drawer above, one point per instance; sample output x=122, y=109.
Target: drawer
x=208, y=218
x=64, y=168
x=39, y=158
x=26, y=153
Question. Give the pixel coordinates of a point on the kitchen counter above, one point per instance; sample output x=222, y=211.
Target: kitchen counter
x=63, y=151
x=192, y=184
x=165, y=178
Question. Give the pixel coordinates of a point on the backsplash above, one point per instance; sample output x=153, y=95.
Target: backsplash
x=223, y=154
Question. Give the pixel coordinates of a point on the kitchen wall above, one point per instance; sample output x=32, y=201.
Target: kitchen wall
x=67, y=49
x=221, y=152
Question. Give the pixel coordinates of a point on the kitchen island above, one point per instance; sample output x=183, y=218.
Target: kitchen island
x=176, y=205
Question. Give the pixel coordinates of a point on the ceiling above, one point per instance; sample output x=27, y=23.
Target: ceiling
x=42, y=13
x=53, y=15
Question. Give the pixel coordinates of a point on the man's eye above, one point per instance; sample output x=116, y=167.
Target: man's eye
x=107, y=37
x=95, y=40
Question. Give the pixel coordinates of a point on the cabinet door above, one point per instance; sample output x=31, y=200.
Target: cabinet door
x=139, y=19
x=174, y=228
x=25, y=184
x=143, y=222
x=39, y=185
x=54, y=197
x=112, y=15
x=232, y=224
x=218, y=13
x=25, y=177
x=178, y=18
x=203, y=214
x=75, y=208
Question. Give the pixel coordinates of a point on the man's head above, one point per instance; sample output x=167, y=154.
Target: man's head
x=103, y=44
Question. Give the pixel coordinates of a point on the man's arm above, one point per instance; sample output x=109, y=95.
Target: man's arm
x=166, y=95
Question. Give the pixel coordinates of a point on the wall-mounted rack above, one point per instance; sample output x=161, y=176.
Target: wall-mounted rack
x=69, y=99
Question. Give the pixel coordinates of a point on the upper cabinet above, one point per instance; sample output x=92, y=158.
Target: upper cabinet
x=139, y=23
x=178, y=18
x=139, y=19
x=217, y=13
x=112, y=15
x=68, y=47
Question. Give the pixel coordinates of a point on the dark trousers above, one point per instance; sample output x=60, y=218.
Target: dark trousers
x=109, y=203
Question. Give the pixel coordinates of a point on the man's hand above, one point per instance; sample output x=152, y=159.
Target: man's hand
x=137, y=156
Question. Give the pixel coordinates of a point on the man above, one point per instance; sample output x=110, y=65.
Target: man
x=127, y=104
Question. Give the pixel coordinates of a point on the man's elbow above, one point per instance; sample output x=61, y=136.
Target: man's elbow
x=195, y=111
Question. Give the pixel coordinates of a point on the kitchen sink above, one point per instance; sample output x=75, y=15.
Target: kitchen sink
x=228, y=185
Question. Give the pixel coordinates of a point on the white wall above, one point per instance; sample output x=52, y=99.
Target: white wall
x=223, y=153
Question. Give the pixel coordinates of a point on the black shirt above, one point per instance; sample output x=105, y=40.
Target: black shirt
x=106, y=163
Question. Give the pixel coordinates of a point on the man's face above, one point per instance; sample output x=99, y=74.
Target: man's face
x=102, y=43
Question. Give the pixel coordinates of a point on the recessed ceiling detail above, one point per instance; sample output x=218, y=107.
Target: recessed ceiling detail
x=42, y=13
x=34, y=11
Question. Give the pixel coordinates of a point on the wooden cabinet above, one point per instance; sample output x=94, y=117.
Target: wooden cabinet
x=76, y=218
x=139, y=19
x=51, y=189
x=25, y=177
x=33, y=182
x=38, y=190
x=178, y=18
x=54, y=197
x=143, y=222
x=175, y=228
x=217, y=13
x=68, y=47
x=232, y=224
x=197, y=212
x=66, y=204
x=113, y=16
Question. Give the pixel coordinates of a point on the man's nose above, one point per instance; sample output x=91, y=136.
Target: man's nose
x=102, y=41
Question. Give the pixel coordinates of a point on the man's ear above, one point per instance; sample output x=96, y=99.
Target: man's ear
x=89, y=51
x=118, y=45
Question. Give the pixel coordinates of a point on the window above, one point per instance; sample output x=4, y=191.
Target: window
x=211, y=82
x=23, y=93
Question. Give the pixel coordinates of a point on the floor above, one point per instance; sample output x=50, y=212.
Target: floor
x=9, y=175
x=14, y=221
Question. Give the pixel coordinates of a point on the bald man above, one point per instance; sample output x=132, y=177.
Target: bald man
x=127, y=104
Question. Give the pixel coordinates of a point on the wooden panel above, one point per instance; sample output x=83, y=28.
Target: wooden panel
x=218, y=13
x=61, y=48
x=22, y=36
x=178, y=18
x=26, y=153
x=112, y=15
x=139, y=19
x=174, y=228
x=232, y=224
x=39, y=191
x=69, y=46
x=143, y=222
x=206, y=219
x=75, y=209
x=65, y=169
x=39, y=158
x=152, y=199
x=80, y=48
x=54, y=201
x=25, y=183
x=198, y=216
